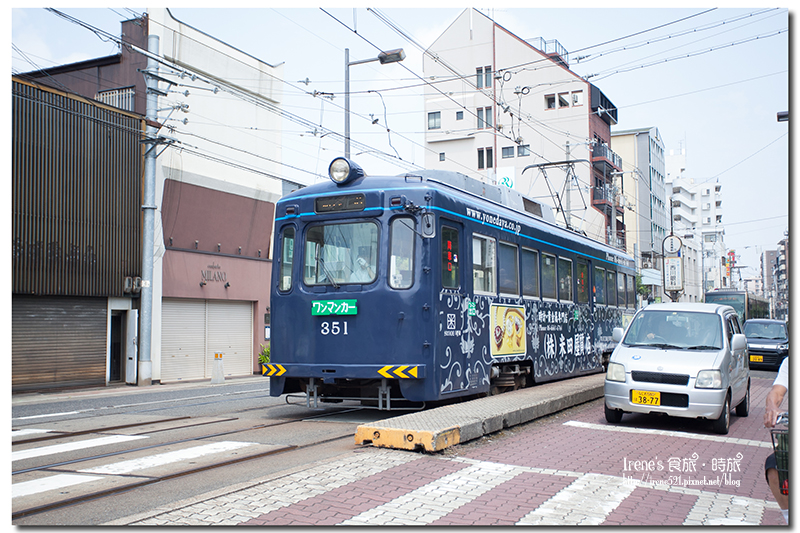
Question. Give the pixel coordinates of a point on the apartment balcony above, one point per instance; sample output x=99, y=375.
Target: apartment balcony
x=603, y=199
x=605, y=160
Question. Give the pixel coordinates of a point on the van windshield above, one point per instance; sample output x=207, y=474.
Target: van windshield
x=676, y=329
x=764, y=330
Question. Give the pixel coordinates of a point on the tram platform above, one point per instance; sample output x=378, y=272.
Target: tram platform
x=439, y=428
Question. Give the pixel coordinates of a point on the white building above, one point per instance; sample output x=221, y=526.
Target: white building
x=697, y=219
x=645, y=198
x=496, y=104
x=216, y=191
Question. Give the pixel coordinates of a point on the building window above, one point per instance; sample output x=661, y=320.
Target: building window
x=563, y=100
x=577, y=98
x=508, y=151
x=459, y=115
x=434, y=120
x=523, y=150
x=484, y=117
x=441, y=156
x=550, y=101
x=483, y=77
x=485, y=158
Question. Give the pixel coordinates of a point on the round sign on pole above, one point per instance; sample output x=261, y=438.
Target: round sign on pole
x=672, y=245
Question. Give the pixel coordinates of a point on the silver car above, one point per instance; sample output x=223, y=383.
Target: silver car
x=688, y=360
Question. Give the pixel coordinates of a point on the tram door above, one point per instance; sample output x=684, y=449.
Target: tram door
x=451, y=311
x=584, y=290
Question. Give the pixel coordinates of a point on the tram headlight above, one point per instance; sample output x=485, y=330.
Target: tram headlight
x=343, y=170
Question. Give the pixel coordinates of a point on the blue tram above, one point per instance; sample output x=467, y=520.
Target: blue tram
x=429, y=286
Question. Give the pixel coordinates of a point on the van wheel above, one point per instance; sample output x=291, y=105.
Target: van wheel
x=722, y=424
x=613, y=416
x=743, y=409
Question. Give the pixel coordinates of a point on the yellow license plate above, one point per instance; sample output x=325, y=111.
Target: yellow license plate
x=757, y=358
x=644, y=397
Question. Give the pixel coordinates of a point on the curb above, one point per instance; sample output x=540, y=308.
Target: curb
x=446, y=426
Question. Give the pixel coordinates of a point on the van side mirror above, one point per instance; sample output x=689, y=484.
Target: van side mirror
x=738, y=342
x=617, y=334
x=428, y=223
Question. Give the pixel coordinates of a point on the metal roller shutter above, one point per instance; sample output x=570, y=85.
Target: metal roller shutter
x=58, y=342
x=183, y=340
x=230, y=331
x=194, y=330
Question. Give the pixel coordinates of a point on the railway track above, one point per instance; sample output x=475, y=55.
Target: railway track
x=176, y=435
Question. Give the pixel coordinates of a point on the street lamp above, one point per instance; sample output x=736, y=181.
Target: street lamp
x=391, y=56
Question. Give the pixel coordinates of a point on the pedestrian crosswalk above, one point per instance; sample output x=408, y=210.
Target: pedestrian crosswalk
x=152, y=460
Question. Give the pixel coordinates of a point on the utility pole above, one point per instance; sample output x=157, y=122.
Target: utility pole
x=145, y=367
x=567, y=203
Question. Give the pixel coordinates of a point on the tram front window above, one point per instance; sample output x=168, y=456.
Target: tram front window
x=338, y=254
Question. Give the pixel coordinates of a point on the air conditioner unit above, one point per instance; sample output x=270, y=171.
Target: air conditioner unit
x=646, y=264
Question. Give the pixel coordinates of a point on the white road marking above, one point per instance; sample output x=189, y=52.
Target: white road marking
x=126, y=467
x=72, y=446
x=679, y=434
x=35, y=486
x=48, y=415
x=60, y=481
x=586, y=501
x=23, y=432
x=438, y=498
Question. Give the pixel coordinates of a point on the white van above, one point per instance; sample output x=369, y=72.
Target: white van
x=681, y=359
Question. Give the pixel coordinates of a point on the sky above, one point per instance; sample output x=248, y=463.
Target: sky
x=711, y=80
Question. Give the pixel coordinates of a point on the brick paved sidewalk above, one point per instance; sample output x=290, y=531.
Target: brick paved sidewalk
x=575, y=470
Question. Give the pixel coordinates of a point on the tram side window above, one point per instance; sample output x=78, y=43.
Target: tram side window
x=401, y=253
x=450, y=279
x=530, y=273
x=611, y=285
x=582, y=282
x=621, y=289
x=631, y=292
x=599, y=285
x=548, y=276
x=483, y=264
x=564, y=279
x=287, y=259
x=509, y=271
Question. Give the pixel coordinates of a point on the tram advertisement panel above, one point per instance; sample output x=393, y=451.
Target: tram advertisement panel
x=507, y=324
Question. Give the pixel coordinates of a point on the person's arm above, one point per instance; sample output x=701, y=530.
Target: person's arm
x=773, y=409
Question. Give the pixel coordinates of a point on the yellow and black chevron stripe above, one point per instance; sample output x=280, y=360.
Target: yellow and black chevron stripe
x=272, y=370
x=402, y=372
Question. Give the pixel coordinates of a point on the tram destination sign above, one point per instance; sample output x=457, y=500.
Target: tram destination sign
x=349, y=202
x=333, y=307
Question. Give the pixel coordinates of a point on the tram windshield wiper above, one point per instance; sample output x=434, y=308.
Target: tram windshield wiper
x=321, y=262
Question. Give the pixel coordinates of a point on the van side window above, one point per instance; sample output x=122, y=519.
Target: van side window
x=450, y=279
x=287, y=258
